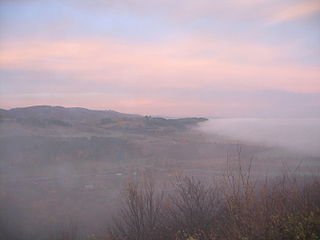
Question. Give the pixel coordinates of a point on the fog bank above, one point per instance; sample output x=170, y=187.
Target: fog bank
x=298, y=135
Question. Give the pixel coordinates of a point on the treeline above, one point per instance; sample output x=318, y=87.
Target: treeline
x=235, y=208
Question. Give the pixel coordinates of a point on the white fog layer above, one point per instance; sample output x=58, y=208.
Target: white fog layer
x=298, y=135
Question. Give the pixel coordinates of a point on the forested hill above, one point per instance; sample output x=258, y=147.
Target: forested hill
x=44, y=120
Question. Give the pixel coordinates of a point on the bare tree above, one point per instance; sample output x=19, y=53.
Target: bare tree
x=139, y=219
x=194, y=208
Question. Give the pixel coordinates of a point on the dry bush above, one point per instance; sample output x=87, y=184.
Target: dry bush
x=193, y=208
x=141, y=216
x=239, y=207
x=286, y=207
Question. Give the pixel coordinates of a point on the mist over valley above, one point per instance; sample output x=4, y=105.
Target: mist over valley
x=63, y=166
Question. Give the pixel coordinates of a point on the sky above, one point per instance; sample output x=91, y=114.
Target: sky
x=231, y=58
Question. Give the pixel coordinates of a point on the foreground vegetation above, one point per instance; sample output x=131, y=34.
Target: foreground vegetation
x=233, y=207
x=237, y=207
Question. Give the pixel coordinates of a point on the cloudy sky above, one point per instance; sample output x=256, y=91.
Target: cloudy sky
x=250, y=58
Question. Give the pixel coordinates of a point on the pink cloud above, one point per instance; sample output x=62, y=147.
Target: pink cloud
x=181, y=63
x=295, y=11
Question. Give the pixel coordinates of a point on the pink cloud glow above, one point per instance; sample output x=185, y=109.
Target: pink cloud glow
x=182, y=63
x=295, y=11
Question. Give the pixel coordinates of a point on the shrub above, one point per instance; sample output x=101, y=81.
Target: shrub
x=240, y=207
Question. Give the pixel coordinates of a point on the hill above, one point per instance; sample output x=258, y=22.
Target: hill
x=48, y=120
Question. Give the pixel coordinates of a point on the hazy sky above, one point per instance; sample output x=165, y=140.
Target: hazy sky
x=165, y=57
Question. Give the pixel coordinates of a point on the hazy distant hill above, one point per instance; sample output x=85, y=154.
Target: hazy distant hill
x=62, y=113
x=47, y=120
x=46, y=135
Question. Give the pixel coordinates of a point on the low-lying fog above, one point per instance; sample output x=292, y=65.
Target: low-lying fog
x=297, y=135
x=72, y=171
